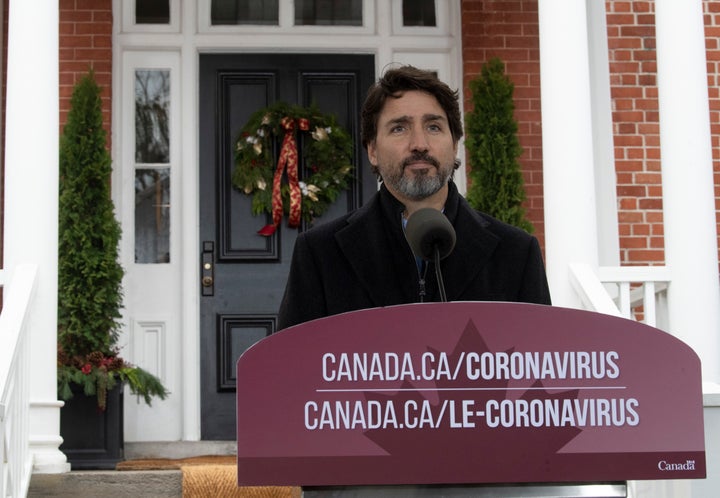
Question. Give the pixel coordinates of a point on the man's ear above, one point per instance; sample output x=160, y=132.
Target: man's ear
x=372, y=153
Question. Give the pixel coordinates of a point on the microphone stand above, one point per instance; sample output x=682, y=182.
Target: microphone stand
x=438, y=275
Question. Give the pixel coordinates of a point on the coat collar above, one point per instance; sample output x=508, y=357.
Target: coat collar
x=374, y=244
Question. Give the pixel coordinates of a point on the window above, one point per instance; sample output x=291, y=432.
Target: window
x=285, y=16
x=234, y=12
x=328, y=12
x=152, y=166
x=152, y=11
x=152, y=215
x=152, y=106
x=418, y=13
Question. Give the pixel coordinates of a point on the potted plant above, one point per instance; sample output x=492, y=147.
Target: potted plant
x=496, y=181
x=91, y=373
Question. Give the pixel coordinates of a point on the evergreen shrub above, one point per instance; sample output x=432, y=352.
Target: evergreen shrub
x=89, y=272
x=496, y=184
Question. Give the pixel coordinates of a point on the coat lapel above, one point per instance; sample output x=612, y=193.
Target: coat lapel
x=374, y=245
x=473, y=249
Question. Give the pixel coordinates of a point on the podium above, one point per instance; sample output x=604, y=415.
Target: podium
x=486, y=399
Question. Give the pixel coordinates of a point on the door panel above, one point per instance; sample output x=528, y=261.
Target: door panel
x=242, y=273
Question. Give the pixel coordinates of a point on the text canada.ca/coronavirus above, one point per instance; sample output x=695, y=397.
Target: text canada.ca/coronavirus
x=440, y=366
x=469, y=413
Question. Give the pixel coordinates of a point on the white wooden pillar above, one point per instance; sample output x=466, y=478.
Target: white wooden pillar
x=568, y=173
x=31, y=204
x=688, y=193
x=602, y=130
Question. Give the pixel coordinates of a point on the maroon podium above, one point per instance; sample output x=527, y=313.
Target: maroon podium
x=468, y=393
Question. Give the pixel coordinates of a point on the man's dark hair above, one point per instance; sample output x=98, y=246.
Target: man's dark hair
x=397, y=81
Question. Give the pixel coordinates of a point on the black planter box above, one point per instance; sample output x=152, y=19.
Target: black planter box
x=92, y=439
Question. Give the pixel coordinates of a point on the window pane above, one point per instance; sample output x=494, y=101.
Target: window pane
x=328, y=12
x=152, y=11
x=152, y=215
x=419, y=13
x=152, y=112
x=244, y=12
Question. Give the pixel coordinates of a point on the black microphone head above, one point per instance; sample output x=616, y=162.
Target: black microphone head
x=428, y=228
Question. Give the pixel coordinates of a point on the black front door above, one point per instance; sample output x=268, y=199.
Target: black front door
x=242, y=273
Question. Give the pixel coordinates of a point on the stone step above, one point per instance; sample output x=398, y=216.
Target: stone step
x=140, y=484
x=178, y=449
x=97, y=483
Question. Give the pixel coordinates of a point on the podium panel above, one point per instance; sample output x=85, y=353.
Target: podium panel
x=468, y=393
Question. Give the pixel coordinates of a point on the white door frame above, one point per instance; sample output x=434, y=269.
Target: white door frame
x=166, y=340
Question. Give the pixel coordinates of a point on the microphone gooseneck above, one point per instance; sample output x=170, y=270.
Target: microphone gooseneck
x=431, y=237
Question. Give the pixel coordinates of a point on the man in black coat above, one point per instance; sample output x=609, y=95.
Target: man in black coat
x=411, y=125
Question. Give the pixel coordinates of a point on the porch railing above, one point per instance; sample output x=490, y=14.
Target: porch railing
x=15, y=456
x=634, y=292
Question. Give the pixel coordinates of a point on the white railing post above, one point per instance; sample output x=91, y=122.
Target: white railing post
x=624, y=299
x=15, y=458
x=649, y=303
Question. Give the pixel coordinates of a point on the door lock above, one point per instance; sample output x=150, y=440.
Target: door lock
x=207, y=268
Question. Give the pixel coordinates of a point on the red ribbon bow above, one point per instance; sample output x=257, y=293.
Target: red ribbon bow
x=288, y=159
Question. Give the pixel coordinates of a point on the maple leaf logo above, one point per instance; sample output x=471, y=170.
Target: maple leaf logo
x=472, y=442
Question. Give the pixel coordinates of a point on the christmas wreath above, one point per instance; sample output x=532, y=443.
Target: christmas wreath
x=327, y=169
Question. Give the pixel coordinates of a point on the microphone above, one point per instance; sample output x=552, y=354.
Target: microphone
x=427, y=231
x=431, y=237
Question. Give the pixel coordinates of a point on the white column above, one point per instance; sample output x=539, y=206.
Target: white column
x=191, y=420
x=568, y=177
x=688, y=196
x=31, y=203
x=603, y=149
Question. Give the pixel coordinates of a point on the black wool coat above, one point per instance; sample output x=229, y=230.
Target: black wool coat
x=362, y=260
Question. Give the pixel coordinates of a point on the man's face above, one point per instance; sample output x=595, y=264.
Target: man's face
x=414, y=149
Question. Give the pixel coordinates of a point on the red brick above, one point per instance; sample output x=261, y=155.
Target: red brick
x=627, y=203
x=621, y=6
x=634, y=242
x=630, y=217
x=93, y=28
x=648, y=204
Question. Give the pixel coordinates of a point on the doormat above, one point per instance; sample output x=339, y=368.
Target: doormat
x=210, y=476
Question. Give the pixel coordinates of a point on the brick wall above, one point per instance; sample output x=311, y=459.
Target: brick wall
x=508, y=29
x=86, y=43
x=631, y=44
x=712, y=46
x=633, y=68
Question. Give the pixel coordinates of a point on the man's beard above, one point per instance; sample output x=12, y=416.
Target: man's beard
x=420, y=184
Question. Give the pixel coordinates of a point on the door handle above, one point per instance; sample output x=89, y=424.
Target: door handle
x=207, y=268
